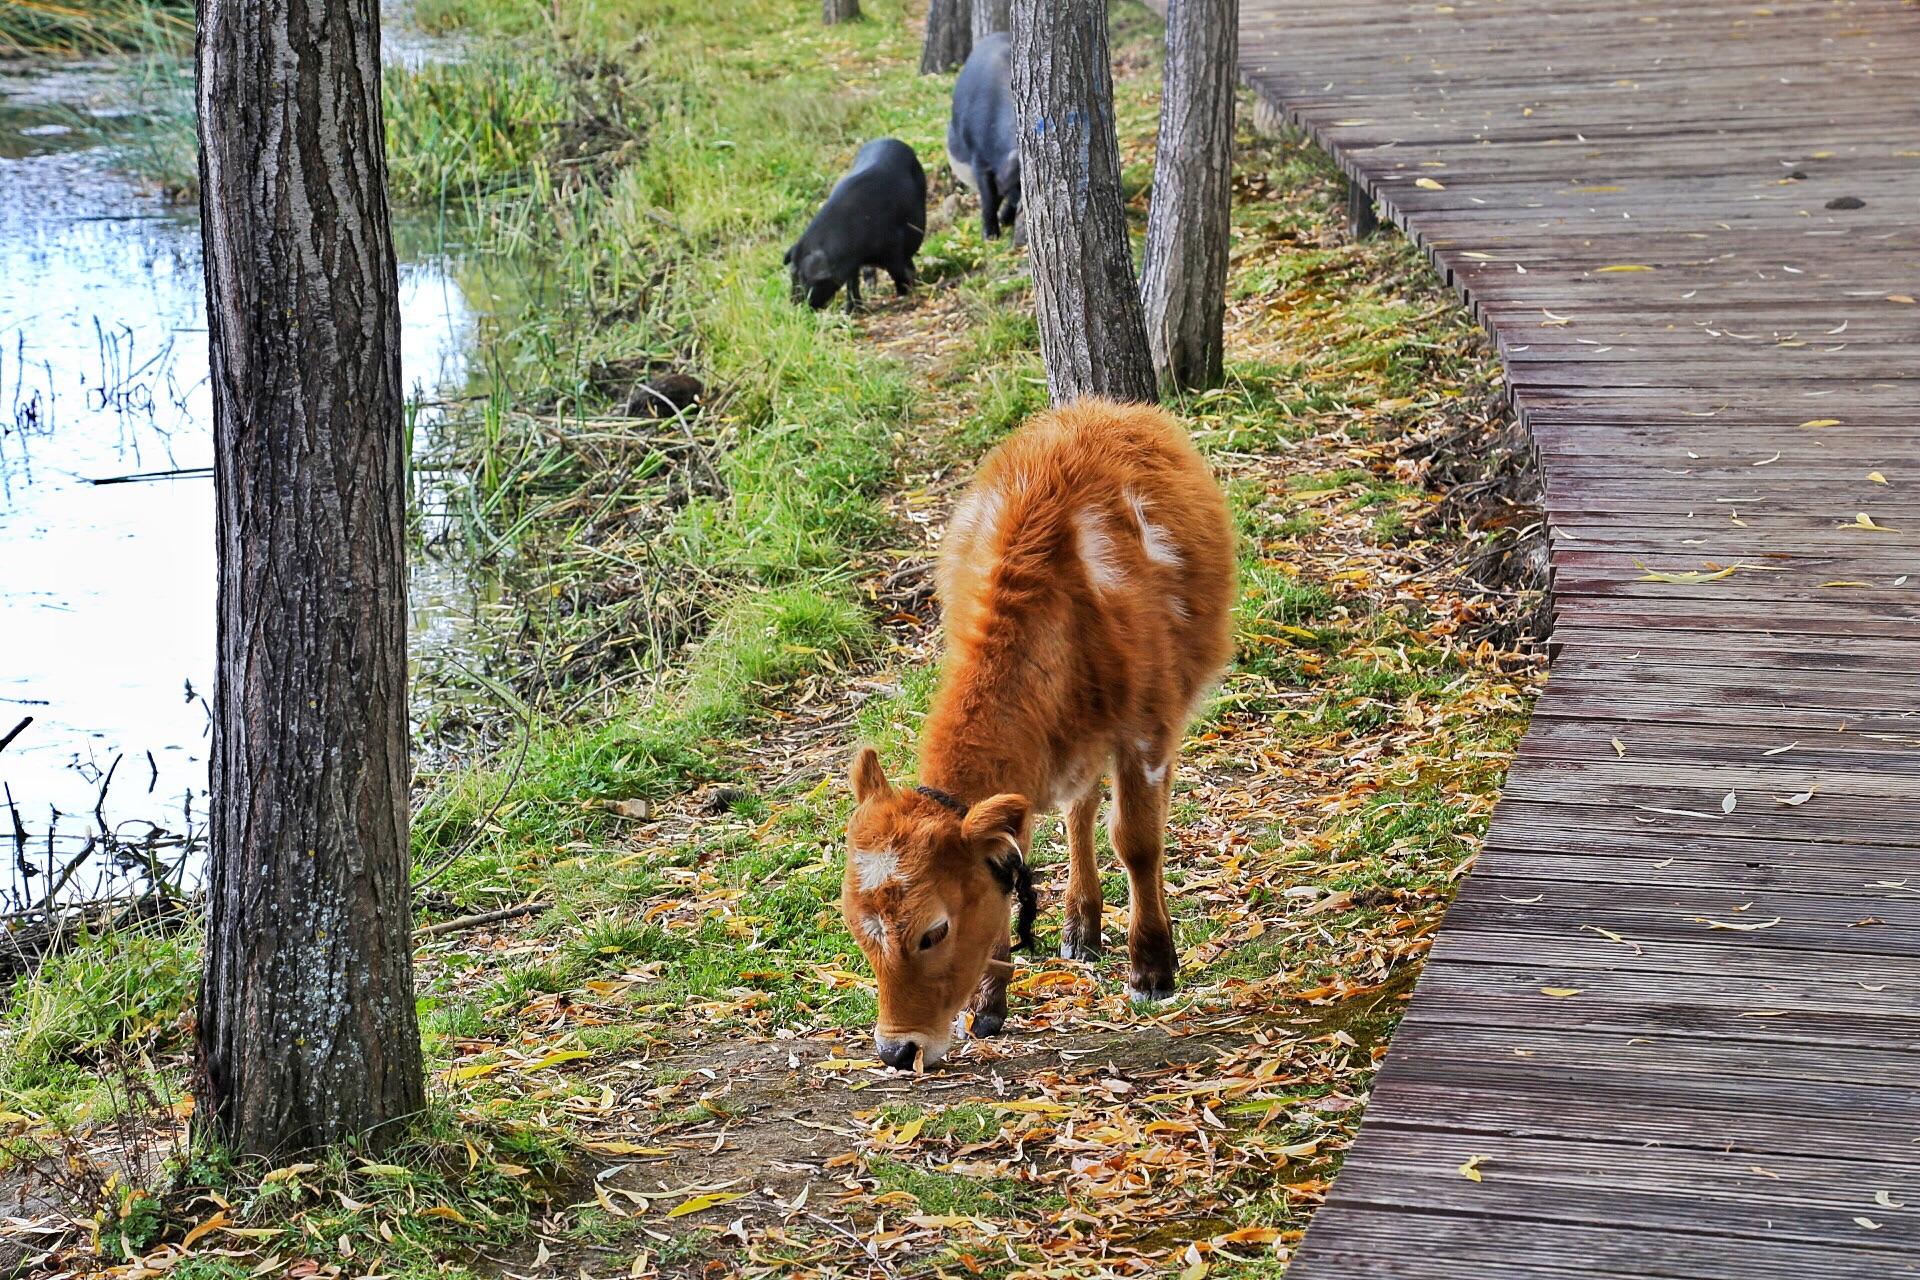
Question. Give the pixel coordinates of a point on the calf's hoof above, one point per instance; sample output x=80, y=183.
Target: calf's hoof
x=1078, y=941
x=1151, y=979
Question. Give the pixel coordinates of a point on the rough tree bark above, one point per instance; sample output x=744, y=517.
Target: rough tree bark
x=1092, y=337
x=990, y=16
x=949, y=35
x=1184, y=275
x=307, y=1031
x=832, y=11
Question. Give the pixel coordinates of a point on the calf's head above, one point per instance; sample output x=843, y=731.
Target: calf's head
x=927, y=896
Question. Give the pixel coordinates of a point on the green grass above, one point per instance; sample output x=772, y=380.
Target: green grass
x=109, y=992
x=94, y=26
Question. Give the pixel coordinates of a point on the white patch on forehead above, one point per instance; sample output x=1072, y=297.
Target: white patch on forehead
x=1153, y=538
x=871, y=869
x=875, y=928
x=1097, y=550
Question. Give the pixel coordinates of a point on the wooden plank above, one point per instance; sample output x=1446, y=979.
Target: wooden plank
x=1632, y=198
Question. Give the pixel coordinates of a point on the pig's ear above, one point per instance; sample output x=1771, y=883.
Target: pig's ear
x=787, y=257
x=868, y=778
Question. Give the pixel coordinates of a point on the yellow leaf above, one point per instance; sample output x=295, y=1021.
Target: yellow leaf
x=1040, y=1105
x=255, y=1233
x=1899, y=297
x=1874, y=476
x=384, y=1170
x=1619, y=746
x=1560, y=991
x=1868, y=1223
x=1471, y=1169
x=1250, y=1235
x=1428, y=183
x=1822, y=422
x=1865, y=521
x=206, y=1228
x=447, y=1212
x=600, y=1194
x=1687, y=578
x=292, y=1170
x=474, y=1072
x=699, y=1204
x=556, y=1058
x=1297, y=1150
x=510, y=1170
x=627, y=1149
x=1740, y=928
x=847, y=1064
x=909, y=1131
x=14, y=1117
x=939, y=1220
x=1842, y=582
x=1627, y=267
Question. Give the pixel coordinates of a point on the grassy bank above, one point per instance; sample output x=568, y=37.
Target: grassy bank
x=707, y=611
x=94, y=26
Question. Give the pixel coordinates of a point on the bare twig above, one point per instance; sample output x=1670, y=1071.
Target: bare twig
x=482, y=918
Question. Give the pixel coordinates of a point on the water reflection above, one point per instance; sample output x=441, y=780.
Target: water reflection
x=107, y=590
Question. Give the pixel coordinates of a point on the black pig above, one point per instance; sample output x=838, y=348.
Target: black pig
x=983, y=137
x=875, y=217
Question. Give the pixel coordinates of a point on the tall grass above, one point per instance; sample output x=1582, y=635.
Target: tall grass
x=95, y=26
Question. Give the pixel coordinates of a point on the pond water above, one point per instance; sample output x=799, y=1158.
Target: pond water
x=107, y=589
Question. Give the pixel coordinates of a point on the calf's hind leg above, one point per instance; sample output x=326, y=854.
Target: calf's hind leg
x=1140, y=791
x=1080, y=930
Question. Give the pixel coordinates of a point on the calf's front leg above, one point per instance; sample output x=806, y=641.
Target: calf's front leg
x=1080, y=928
x=989, y=1003
x=1140, y=790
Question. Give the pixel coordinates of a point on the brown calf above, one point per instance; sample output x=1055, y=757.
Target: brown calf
x=1086, y=581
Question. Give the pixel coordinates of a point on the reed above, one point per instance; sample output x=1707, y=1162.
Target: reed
x=96, y=26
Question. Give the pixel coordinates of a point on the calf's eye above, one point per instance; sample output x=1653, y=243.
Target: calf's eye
x=931, y=938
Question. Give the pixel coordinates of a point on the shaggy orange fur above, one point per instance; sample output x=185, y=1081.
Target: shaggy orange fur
x=1086, y=580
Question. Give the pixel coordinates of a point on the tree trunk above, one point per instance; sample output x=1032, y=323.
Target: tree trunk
x=1184, y=277
x=832, y=11
x=1092, y=336
x=949, y=35
x=307, y=1031
x=990, y=16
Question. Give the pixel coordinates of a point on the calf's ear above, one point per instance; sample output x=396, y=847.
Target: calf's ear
x=996, y=823
x=997, y=818
x=868, y=778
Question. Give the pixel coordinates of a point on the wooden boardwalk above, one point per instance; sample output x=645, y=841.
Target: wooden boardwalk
x=1676, y=1008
